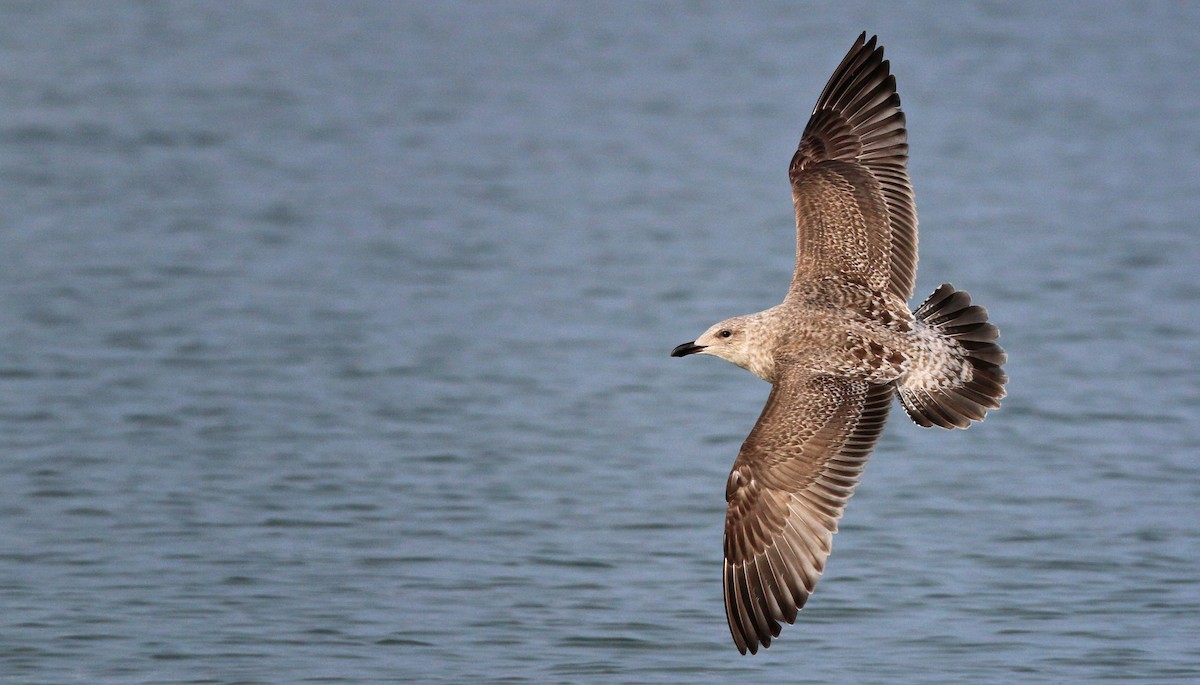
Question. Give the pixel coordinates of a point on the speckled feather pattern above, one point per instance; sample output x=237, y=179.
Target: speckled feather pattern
x=838, y=348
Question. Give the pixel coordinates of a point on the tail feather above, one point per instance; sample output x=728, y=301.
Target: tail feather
x=956, y=404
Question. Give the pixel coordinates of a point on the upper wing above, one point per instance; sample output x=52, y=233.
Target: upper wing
x=786, y=492
x=855, y=214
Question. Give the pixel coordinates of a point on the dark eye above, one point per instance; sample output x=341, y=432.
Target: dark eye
x=725, y=333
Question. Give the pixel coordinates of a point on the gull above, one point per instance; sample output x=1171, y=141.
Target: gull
x=838, y=348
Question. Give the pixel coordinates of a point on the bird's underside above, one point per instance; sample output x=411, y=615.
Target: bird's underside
x=838, y=348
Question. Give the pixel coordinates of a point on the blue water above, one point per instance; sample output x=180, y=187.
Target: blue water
x=333, y=342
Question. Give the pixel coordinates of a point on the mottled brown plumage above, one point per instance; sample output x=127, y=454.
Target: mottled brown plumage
x=838, y=348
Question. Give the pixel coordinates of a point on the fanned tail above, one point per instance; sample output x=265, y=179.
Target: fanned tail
x=956, y=401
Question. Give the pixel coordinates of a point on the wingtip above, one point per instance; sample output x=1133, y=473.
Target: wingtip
x=863, y=43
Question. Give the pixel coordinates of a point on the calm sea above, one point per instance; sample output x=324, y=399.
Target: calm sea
x=334, y=335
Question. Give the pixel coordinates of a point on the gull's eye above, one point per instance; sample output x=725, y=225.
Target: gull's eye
x=725, y=333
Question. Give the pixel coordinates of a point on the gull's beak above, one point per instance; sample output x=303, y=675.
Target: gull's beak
x=686, y=349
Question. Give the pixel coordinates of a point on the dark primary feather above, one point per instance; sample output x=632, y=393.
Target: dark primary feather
x=787, y=490
x=856, y=122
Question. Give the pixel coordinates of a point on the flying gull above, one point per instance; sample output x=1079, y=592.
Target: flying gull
x=838, y=347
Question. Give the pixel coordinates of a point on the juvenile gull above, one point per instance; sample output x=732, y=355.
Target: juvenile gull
x=837, y=348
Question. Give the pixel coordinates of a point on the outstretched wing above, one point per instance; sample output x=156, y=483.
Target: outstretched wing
x=855, y=214
x=786, y=492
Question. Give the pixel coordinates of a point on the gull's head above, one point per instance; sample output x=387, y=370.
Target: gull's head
x=730, y=340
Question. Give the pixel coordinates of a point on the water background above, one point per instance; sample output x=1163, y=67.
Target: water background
x=333, y=342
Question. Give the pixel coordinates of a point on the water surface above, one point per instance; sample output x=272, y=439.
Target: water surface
x=334, y=342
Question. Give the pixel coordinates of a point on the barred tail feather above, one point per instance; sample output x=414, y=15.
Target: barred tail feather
x=951, y=314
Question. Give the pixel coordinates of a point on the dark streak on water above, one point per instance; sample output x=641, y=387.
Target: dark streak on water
x=334, y=342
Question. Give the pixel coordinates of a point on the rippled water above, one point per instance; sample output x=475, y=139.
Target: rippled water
x=334, y=342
